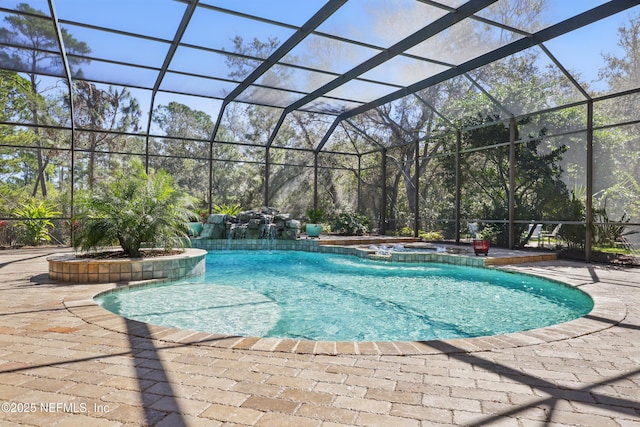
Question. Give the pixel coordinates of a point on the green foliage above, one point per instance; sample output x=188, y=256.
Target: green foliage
x=405, y=231
x=621, y=199
x=38, y=33
x=605, y=233
x=39, y=41
x=35, y=221
x=179, y=120
x=202, y=215
x=191, y=128
x=430, y=235
x=573, y=235
x=15, y=91
x=615, y=250
x=106, y=118
x=227, y=209
x=349, y=223
x=111, y=110
x=133, y=210
x=315, y=216
x=489, y=232
x=539, y=189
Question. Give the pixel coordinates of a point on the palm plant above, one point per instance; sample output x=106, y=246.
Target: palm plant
x=135, y=209
x=227, y=209
x=315, y=215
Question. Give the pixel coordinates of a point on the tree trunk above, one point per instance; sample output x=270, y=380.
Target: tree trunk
x=40, y=178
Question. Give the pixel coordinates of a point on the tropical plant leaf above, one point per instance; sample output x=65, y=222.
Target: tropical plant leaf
x=134, y=210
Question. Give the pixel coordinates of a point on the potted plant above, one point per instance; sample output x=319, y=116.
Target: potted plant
x=314, y=218
x=483, y=240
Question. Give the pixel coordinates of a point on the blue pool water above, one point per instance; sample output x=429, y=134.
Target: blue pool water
x=319, y=296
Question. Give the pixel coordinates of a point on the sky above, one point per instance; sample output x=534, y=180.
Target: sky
x=582, y=50
x=383, y=24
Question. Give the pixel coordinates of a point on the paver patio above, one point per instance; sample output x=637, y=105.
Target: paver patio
x=65, y=362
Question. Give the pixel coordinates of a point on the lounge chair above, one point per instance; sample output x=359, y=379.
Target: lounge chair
x=549, y=236
x=536, y=231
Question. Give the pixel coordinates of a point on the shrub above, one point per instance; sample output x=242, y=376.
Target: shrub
x=133, y=210
x=431, y=235
x=405, y=231
x=604, y=233
x=202, y=215
x=227, y=209
x=573, y=235
x=349, y=223
x=35, y=221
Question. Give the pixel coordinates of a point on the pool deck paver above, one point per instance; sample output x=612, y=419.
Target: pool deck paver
x=60, y=366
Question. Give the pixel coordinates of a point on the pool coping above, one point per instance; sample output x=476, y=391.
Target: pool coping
x=453, y=254
x=83, y=305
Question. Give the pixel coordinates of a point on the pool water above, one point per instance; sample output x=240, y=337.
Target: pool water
x=318, y=296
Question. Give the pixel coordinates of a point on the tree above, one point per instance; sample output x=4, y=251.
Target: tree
x=103, y=113
x=408, y=123
x=623, y=168
x=179, y=120
x=252, y=125
x=539, y=190
x=411, y=122
x=291, y=180
x=14, y=96
x=40, y=39
x=188, y=134
x=623, y=73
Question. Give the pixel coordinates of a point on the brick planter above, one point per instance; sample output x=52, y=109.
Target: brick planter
x=69, y=268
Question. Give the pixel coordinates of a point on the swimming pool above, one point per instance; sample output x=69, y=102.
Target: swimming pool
x=319, y=296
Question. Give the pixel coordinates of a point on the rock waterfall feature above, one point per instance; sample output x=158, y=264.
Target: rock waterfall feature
x=266, y=223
